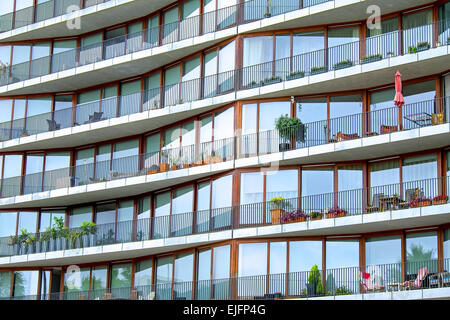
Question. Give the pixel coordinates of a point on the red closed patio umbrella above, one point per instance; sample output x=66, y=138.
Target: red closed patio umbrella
x=398, y=100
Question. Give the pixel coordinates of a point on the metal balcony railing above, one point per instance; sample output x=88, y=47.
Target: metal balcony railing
x=383, y=121
x=392, y=197
x=214, y=85
x=411, y=275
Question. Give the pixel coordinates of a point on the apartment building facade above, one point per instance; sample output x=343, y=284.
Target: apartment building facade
x=224, y=149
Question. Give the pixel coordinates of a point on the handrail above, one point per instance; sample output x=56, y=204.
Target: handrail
x=285, y=69
x=356, y=202
x=401, y=276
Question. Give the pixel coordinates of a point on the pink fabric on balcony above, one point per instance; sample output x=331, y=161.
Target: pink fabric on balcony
x=398, y=100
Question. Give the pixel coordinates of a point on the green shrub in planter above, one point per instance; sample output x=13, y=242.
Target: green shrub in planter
x=423, y=46
x=317, y=70
x=314, y=281
x=343, y=64
x=271, y=80
x=372, y=58
x=290, y=129
x=295, y=75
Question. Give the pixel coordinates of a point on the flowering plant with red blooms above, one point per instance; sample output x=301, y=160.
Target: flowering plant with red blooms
x=294, y=215
x=440, y=197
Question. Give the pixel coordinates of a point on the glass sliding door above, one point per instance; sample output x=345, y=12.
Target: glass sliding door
x=77, y=287
x=384, y=182
x=84, y=166
x=421, y=253
x=350, y=185
x=39, y=115
x=182, y=207
x=282, y=55
x=57, y=171
x=342, y=266
x=33, y=173
x=114, y=43
x=170, y=26
x=62, y=113
x=252, y=196
x=88, y=104
x=210, y=74
x=7, y=14
x=91, y=49
x=223, y=145
x=317, y=189
x=125, y=159
x=221, y=272
x=420, y=104
x=172, y=86
x=308, y=51
x=444, y=23
x=48, y=219
x=249, y=140
x=190, y=23
x=183, y=273
x=162, y=212
x=203, y=275
x=417, y=30
x=164, y=270
x=99, y=282
x=277, y=267
x=282, y=184
x=143, y=219
x=313, y=115
x=153, y=32
x=5, y=119
x=143, y=279
x=20, y=65
x=79, y=215
x=384, y=116
x=12, y=172
x=103, y=163
x=257, y=59
x=134, y=37
x=24, y=13
x=226, y=67
x=252, y=270
x=8, y=221
x=152, y=93
x=152, y=150
x=130, y=97
x=446, y=250
x=25, y=283
x=40, y=59
x=203, y=207
x=303, y=255
x=121, y=281
x=105, y=218
x=209, y=16
x=125, y=213
x=226, y=13
x=269, y=138
x=190, y=88
x=221, y=202
x=346, y=117
x=64, y=55
x=382, y=42
x=109, y=104
x=419, y=176
x=343, y=47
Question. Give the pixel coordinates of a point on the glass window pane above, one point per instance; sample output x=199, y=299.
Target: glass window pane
x=317, y=181
x=343, y=44
x=447, y=246
x=184, y=271
x=38, y=112
x=278, y=267
x=421, y=252
x=221, y=272
x=121, y=280
x=383, y=250
x=27, y=221
x=48, y=219
x=98, y=282
x=252, y=262
x=79, y=215
x=164, y=278
x=74, y=284
x=303, y=255
x=143, y=273
x=283, y=183
x=5, y=284
x=25, y=283
x=182, y=202
x=8, y=222
x=143, y=215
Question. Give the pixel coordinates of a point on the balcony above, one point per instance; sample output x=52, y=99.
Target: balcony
x=427, y=279
x=132, y=52
x=248, y=82
x=348, y=206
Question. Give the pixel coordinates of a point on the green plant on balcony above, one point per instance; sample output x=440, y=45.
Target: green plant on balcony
x=74, y=236
x=390, y=54
x=423, y=46
x=88, y=228
x=343, y=64
x=448, y=40
x=295, y=75
x=253, y=84
x=412, y=49
x=271, y=80
x=314, y=285
x=342, y=291
x=372, y=58
x=291, y=130
x=316, y=215
x=317, y=70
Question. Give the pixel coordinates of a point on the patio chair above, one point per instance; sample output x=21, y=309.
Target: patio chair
x=388, y=129
x=368, y=284
x=375, y=202
x=417, y=283
x=52, y=125
x=97, y=116
x=343, y=136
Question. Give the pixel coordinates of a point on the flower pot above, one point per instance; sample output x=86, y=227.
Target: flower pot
x=311, y=289
x=152, y=171
x=295, y=76
x=437, y=118
x=330, y=215
x=185, y=165
x=277, y=214
x=173, y=167
x=302, y=219
x=272, y=81
x=342, y=65
x=316, y=218
x=163, y=167
x=284, y=147
x=318, y=71
x=216, y=160
x=423, y=48
x=442, y=201
x=372, y=59
x=253, y=85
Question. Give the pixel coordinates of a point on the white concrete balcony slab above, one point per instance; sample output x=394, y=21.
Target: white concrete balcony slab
x=427, y=216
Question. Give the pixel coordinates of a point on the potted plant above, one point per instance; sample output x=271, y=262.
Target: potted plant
x=153, y=169
x=278, y=207
x=373, y=58
x=267, y=14
x=271, y=80
x=175, y=161
x=24, y=133
x=296, y=215
x=448, y=40
x=44, y=239
x=295, y=75
x=420, y=202
x=59, y=234
x=164, y=165
x=14, y=242
x=316, y=215
x=343, y=291
x=441, y=199
x=421, y=46
x=88, y=232
x=390, y=54
x=335, y=213
x=291, y=130
x=412, y=49
x=74, y=237
x=343, y=64
x=253, y=84
x=317, y=70
x=216, y=159
x=314, y=286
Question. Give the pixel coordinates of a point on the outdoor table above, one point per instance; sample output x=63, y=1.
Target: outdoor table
x=421, y=119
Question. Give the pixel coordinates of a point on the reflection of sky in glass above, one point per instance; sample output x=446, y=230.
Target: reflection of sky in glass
x=350, y=178
x=221, y=262
x=12, y=166
x=204, y=265
x=79, y=215
x=252, y=184
x=383, y=250
x=143, y=273
x=25, y=283
x=278, y=252
x=426, y=240
x=384, y=173
x=184, y=266
x=162, y=207
x=282, y=183
x=27, y=221
x=303, y=255
x=252, y=259
x=419, y=168
x=8, y=223
x=182, y=200
x=270, y=111
x=317, y=181
x=221, y=192
x=203, y=194
x=342, y=254
x=307, y=42
x=164, y=270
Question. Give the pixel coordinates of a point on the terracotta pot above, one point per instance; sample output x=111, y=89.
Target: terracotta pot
x=276, y=215
x=173, y=167
x=330, y=215
x=316, y=218
x=424, y=203
x=302, y=219
x=163, y=167
x=443, y=201
x=152, y=171
x=186, y=165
